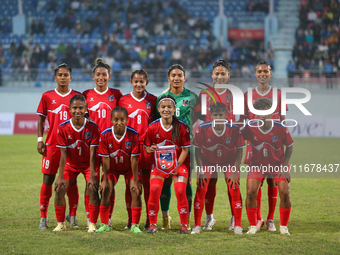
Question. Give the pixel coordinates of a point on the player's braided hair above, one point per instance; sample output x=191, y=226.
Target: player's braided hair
x=263, y=63
x=173, y=67
x=63, y=65
x=218, y=107
x=101, y=63
x=119, y=109
x=175, y=122
x=262, y=103
x=78, y=97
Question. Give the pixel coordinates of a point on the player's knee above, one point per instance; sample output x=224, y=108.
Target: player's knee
x=251, y=194
x=154, y=189
x=284, y=195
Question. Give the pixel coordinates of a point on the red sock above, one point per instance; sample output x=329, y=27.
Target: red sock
x=146, y=190
x=136, y=213
x=272, y=199
x=45, y=195
x=284, y=216
x=182, y=201
x=231, y=206
x=87, y=208
x=199, y=203
x=104, y=214
x=73, y=199
x=236, y=201
x=60, y=213
x=156, y=186
x=94, y=211
x=210, y=199
x=112, y=205
x=128, y=200
x=252, y=217
x=258, y=200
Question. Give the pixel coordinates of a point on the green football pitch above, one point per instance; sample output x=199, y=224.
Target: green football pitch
x=314, y=224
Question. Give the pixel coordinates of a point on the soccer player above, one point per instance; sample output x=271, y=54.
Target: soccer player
x=220, y=75
x=119, y=149
x=140, y=106
x=268, y=139
x=101, y=100
x=218, y=144
x=263, y=73
x=186, y=103
x=169, y=140
x=78, y=140
x=54, y=107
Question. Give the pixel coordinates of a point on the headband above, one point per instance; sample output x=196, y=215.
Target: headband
x=166, y=99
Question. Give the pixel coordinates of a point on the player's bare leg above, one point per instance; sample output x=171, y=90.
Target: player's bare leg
x=285, y=206
x=253, y=186
x=136, y=208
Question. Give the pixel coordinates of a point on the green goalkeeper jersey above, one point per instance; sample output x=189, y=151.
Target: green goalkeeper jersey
x=185, y=104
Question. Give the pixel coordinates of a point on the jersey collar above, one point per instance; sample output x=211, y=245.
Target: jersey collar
x=56, y=91
x=166, y=130
x=80, y=129
x=266, y=131
x=264, y=93
x=118, y=140
x=101, y=93
x=216, y=133
x=138, y=100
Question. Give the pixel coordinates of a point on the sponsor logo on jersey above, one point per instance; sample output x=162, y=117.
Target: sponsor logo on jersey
x=185, y=102
x=157, y=135
x=127, y=145
x=275, y=138
x=110, y=145
x=87, y=135
x=111, y=98
x=255, y=138
x=91, y=99
x=69, y=137
x=148, y=105
x=130, y=106
x=228, y=140
x=209, y=140
x=53, y=101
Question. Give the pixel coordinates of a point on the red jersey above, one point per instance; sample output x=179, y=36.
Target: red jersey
x=78, y=142
x=268, y=147
x=158, y=135
x=141, y=111
x=100, y=105
x=218, y=148
x=119, y=151
x=256, y=95
x=224, y=99
x=56, y=108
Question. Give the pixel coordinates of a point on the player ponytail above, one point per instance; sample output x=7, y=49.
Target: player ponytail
x=119, y=109
x=101, y=63
x=173, y=67
x=78, y=97
x=63, y=65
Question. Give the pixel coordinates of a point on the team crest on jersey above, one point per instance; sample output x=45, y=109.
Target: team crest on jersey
x=228, y=140
x=148, y=105
x=127, y=145
x=111, y=98
x=87, y=135
x=185, y=102
x=275, y=138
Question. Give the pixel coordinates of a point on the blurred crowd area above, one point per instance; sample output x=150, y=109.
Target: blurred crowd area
x=130, y=35
x=316, y=50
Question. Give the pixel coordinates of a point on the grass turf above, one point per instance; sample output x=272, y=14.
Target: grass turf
x=314, y=222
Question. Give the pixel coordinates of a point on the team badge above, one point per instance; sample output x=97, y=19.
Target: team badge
x=228, y=140
x=87, y=135
x=185, y=102
x=275, y=138
x=127, y=145
x=148, y=105
x=111, y=98
x=166, y=159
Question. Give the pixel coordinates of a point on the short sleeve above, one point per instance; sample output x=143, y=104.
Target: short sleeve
x=239, y=141
x=135, y=145
x=42, y=107
x=185, y=136
x=287, y=138
x=246, y=110
x=147, y=138
x=96, y=136
x=61, y=138
x=198, y=138
x=103, y=150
